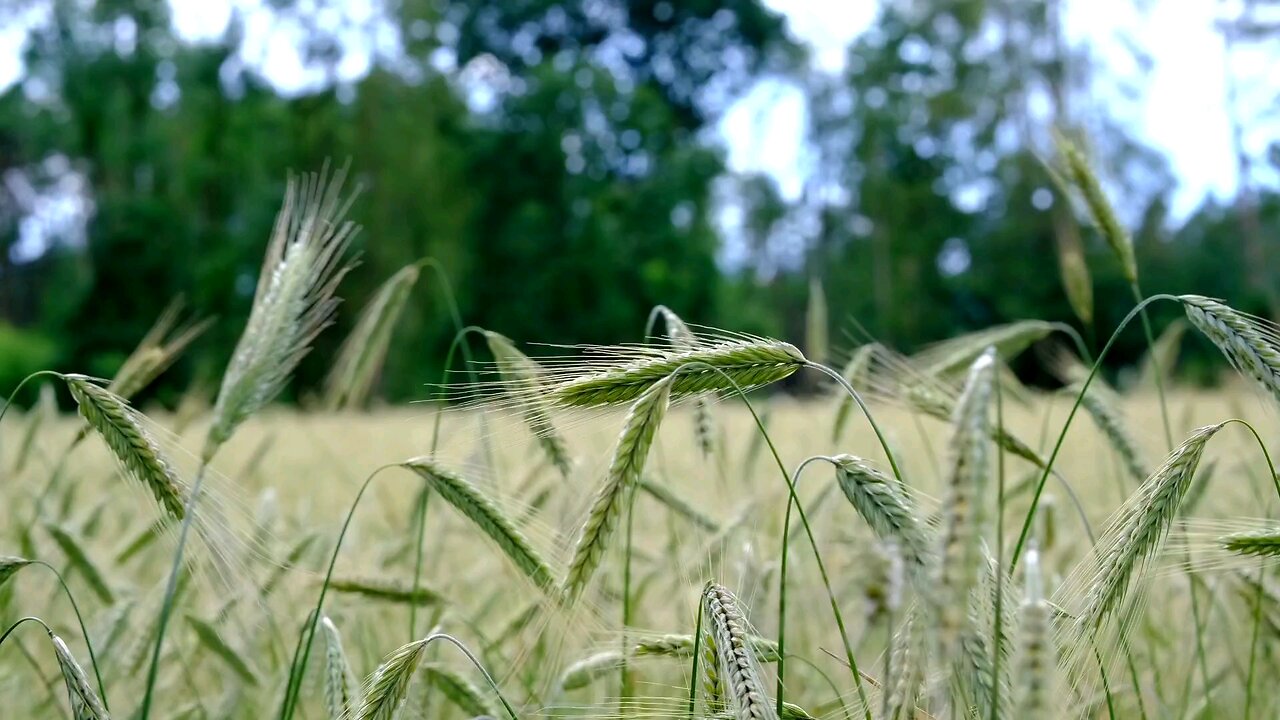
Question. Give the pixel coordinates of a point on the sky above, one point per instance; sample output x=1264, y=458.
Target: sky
x=1181, y=112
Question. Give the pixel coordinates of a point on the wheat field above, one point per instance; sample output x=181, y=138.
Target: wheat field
x=663, y=529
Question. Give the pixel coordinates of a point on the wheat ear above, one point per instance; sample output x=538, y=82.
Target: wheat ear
x=341, y=690
x=949, y=358
x=678, y=505
x=469, y=500
x=523, y=376
x=1258, y=543
x=680, y=336
x=1036, y=660
x=959, y=553
x=710, y=366
x=584, y=672
x=162, y=344
x=1104, y=217
x=681, y=646
x=364, y=350
x=1139, y=529
x=85, y=703
x=133, y=447
x=735, y=658
x=385, y=690
x=628, y=462
x=294, y=301
x=9, y=566
x=460, y=691
x=79, y=557
x=889, y=511
x=1250, y=344
x=385, y=590
x=234, y=660
x=1101, y=406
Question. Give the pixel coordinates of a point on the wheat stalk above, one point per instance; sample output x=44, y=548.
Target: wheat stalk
x=365, y=348
x=855, y=373
x=468, y=499
x=133, y=447
x=294, y=301
x=523, y=376
x=629, y=457
x=736, y=661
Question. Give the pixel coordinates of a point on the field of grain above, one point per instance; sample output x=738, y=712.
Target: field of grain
x=611, y=534
x=289, y=481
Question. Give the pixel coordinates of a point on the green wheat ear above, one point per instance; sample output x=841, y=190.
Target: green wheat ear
x=294, y=301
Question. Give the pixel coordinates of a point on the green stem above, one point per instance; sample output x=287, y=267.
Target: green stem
x=996, y=634
x=1076, y=339
x=171, y=589
x=75, y=608
x=1253, y=642
x=625, y=673
x=297, y=667
x=9, y=403
x=817, y=556
x=1155, y=367
x=420, y=519
x=697, y=652
x=478, y=666
x=875, y=427
x=420, y=531
x=1062, y=435
x=18, y=623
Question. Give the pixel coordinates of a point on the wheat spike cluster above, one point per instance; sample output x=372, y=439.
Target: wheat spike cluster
x=691, y=523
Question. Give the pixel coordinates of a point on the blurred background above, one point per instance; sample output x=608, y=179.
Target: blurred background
x=571, y=164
